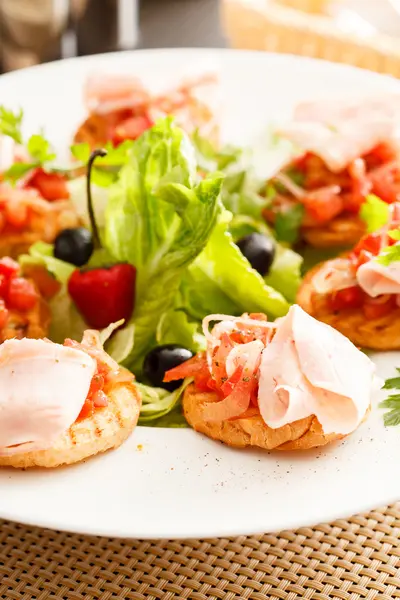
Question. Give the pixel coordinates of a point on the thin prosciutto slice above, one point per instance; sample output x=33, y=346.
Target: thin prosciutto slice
x=43, y=387
x=311, y=369
x=377, y=279
x=341, y=131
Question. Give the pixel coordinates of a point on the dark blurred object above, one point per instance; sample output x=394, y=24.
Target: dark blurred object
x=180, y=23
x=30, y=31
x=104, y=25
x=33, y=31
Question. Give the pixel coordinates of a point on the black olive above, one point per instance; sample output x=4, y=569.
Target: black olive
x=259, y=251
x=160, y=360
x=74, y=246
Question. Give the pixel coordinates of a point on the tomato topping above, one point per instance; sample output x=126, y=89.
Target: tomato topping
x=131, y=129
x=22, y=294
x=193, y=367
x=16, y=213
x=352, y=297
x=51, y=186
x=323, y=205
x=219, y=359
x=3, y=314
x=3, y=286
x=375, y=308
x=8, y=267
x=100, y=399
x=86, y=411
x=370, y=243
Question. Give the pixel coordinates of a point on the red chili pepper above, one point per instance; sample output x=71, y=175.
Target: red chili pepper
x=104, y=295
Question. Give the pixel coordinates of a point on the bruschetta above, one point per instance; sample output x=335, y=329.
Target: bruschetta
x=120, y=108
x=35, y=211
x=62, y=404
x=24, y=311
x=276, y=386
x=357, y=293
x=347, y=150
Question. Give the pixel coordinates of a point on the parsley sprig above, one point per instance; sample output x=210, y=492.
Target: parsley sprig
x=38, y=147
x=392, y=417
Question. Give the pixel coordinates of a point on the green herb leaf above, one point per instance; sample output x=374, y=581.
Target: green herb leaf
x=375, y=213
x=389, y=255
x=392, y=417
x=395, y=234
x=18, y=170
x=10, y=124
x=81, y=152
x=287, y=224
x=40, y=149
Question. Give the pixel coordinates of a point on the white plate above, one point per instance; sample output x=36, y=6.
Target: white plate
x=175, y=483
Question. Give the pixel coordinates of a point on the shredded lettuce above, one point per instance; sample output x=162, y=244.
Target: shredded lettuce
x=158, y=404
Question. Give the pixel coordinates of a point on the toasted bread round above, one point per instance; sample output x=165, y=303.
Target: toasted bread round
x=375, y=334
x=252, y=431
x=344, y=231
x=107, y=428
x=34, y=323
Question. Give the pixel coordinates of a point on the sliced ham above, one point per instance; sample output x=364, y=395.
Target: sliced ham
x=105, y=93
x=311, y=369
x=341, y=131
x=43, y=388
x=377, y=279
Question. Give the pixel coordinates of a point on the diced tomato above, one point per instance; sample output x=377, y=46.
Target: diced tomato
x=3, y=314
x=384, y=153
x=351, y=297
x=16, y=214
x=86, y=411
x=47, y=285
x=100, y=399
x=8, y=267
x=190, y=368
x=96, y=384
x=383, y=184
x=375, y=308
x=131, y=129
x=51, y=186
x=22, y=294
x=227, y=387
x=363, y=257
x=4, y=281
x=370, y=243
x=323, y=205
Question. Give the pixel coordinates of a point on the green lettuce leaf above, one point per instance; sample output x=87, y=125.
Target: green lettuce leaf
x=224, y=281
x=375, y=213
x=158, y=218
x=175, y=327
x=161, y=408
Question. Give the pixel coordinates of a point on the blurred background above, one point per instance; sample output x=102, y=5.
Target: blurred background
x=35, y=31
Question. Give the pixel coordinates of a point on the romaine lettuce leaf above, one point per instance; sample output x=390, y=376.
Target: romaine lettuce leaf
x=226, y=276
x=158, y=218
x=158, y=404
x=175, y=327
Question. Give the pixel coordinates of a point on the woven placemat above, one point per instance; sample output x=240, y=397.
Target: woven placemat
x=276, y=27
x=348, y=560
